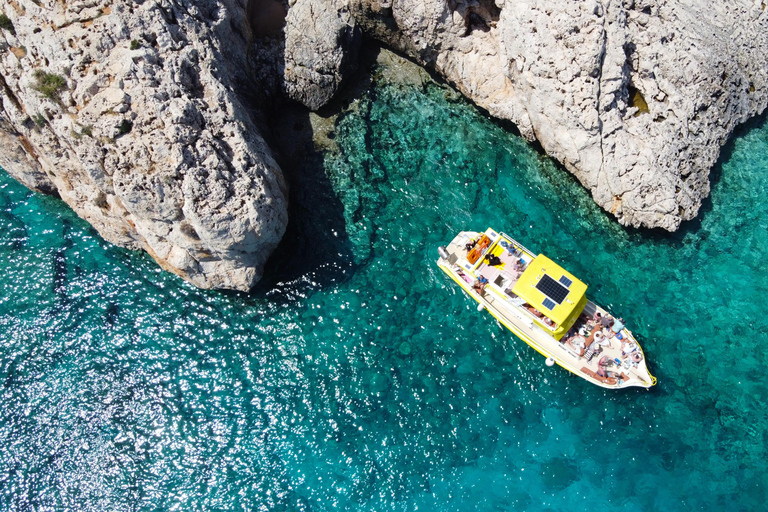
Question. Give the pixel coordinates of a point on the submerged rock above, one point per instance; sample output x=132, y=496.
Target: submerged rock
x=129, y=112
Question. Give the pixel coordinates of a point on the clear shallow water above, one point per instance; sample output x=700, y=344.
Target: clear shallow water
x=358, y=377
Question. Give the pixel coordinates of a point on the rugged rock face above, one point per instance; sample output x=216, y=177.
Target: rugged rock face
x=132, y=111
x=321, y=43
x=128, y=111
x=634, y=97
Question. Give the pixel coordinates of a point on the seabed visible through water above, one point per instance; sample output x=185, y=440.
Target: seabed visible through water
x=357, y=377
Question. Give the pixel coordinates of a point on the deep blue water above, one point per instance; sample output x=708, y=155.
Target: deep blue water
x=357, y=377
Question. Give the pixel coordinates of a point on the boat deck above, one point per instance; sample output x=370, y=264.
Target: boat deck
x=618, y=360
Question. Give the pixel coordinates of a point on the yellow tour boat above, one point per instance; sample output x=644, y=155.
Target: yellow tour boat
x=546, y=306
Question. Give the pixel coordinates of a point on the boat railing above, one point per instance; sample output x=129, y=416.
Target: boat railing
x=512, y=307
x=518, y=244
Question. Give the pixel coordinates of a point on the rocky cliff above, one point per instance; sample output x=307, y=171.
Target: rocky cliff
x=130, y=112
x=134, y=112
x=635, y=98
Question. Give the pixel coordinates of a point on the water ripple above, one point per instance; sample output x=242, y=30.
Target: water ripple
x=358, y=377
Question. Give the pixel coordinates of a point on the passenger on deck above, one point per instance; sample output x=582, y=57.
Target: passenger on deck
x=595, y=343
x=461, y=274
x=630, y=351
x=616, y=328
x=577, y=344
x=492, y=260
x=604, y=321
x=597, y=335
x=510, y=248
x=627, y=347
x=471, y=244
x=603, y=371
x=479, y=285
x=535, y=312
x=593, y=349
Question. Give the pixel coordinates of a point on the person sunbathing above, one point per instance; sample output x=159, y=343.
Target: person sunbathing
x=479, y=285
x=492, y=260
x=603, y=371
x=631, y=351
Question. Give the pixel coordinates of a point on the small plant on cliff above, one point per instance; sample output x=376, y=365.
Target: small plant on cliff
x=39, y=119
x=636, y=100
x=7, y=24
x=125, y=127
x=49, y=84
x=135, y=45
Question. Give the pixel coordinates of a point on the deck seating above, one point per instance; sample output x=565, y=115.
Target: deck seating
x=477, y=251
x=604, y=380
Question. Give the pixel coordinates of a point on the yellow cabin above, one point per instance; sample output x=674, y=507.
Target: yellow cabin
x=554, y=292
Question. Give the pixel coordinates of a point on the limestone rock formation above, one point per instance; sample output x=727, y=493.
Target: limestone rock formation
x=321, y=42
x=634, y=97
x=128, y=110
x=133, y=112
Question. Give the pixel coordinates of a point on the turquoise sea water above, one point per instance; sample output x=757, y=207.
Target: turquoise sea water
x=358, y=377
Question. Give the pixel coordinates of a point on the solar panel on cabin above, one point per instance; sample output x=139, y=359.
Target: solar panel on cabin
x=552, y=289
x=566, y=282
x=548, y=303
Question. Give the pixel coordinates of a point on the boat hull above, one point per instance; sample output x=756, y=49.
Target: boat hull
x=625, y=370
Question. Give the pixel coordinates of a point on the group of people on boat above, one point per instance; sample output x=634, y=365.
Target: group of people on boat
x=589, y=336
x=597, y=339
x=475, y=247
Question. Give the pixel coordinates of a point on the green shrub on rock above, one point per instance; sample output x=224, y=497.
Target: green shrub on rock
x=49, y=84
x=125, y=127
x=6, y=23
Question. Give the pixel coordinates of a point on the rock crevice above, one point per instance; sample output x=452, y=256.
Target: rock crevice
x=140, y=115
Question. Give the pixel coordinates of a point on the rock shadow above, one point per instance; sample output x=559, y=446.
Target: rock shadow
x=716, y=174
x=315, y=251
x=265, y=17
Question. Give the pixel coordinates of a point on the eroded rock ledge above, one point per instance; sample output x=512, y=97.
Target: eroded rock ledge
x=634, y=97
x=128, y=111
x=133, y=111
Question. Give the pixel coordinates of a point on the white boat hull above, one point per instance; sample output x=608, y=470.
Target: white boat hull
x=632, y=371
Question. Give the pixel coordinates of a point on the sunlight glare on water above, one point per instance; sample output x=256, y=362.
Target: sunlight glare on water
x=358, y=377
